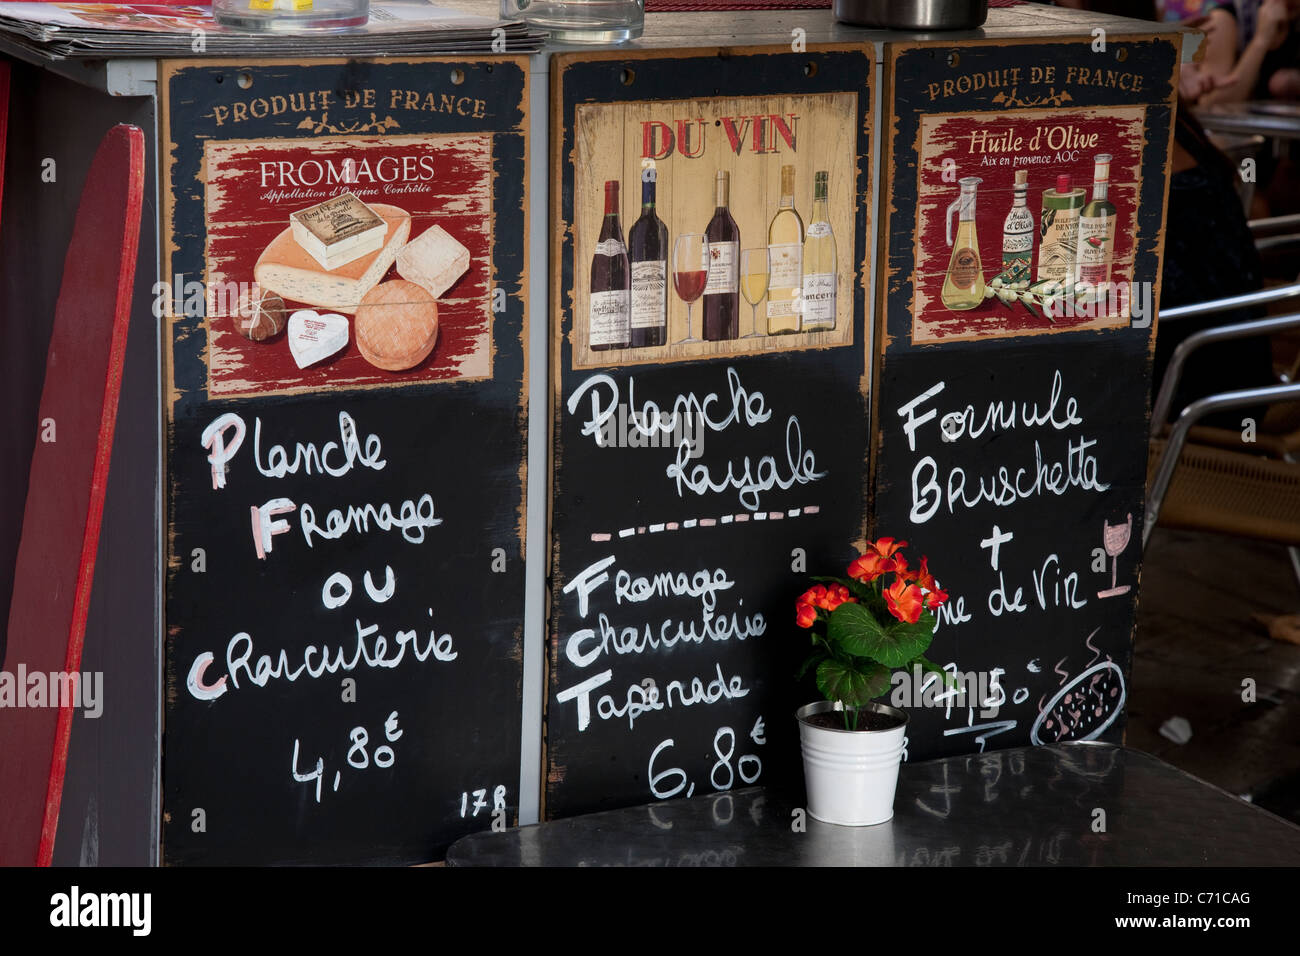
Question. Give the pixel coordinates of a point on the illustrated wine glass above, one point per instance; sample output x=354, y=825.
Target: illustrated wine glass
x=755, y=269
x=690, y=273
x=1115, y=537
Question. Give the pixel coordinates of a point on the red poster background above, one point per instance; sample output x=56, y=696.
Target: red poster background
x=1119, y=132
x=244, y=216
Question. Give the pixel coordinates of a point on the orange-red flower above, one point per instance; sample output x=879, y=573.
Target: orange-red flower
x=869, y=567
x=836, y=595
x=901, y=568
x=923, y=577
x=925, y=580
x=887, y=546
x=880, y=558
x=826, y=598
x=904, y=600
x=805, y=615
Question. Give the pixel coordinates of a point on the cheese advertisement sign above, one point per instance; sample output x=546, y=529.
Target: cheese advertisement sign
x=402, y=222
x=344, y=306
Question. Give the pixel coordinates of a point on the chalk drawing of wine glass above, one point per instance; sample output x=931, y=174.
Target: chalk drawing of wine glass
x=1115, y=537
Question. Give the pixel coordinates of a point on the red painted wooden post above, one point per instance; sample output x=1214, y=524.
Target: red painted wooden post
x=65, y=498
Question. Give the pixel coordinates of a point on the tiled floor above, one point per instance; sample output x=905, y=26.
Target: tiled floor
x=1196, y=645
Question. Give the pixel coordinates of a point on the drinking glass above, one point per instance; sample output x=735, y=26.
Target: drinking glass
x=1115, y=538
x=690, y=273
x=322, y=16
x=755, y=270
x=580, y=21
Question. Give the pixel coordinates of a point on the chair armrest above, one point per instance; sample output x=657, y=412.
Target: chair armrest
x=1273, y=222
x=1238, y=330
x=1268, y=395
x=1262, y=297
x=1273, y=243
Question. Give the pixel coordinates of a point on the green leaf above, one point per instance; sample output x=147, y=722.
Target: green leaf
x=902, y=641
x=852, y=685
x=812, y=659
x=859, y=590
x=855, y=629
x=929, y=665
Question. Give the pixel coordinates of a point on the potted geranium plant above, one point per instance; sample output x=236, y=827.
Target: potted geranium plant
x=862, y=627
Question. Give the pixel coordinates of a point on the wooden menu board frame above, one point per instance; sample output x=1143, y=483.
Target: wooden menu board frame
x=973, y=403
x=385, y=480
x=744, y=111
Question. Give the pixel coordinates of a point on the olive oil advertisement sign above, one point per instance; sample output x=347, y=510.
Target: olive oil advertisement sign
x=1026, y=221
x=1024, y=230
x=710, y=227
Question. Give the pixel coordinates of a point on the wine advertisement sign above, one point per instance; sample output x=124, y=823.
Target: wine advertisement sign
x=1028, y=201
x=712, y=226
x=1016, y=317
x=696, y=484
x=344, y=307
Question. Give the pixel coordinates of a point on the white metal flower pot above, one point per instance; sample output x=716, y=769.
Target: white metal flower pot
x=850, y=775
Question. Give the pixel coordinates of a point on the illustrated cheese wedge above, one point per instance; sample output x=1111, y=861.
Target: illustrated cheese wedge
x=433, y=260
x=288, y=270
x=396, y=326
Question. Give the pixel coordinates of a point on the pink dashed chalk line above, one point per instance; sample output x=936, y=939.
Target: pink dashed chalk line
x=686, y=524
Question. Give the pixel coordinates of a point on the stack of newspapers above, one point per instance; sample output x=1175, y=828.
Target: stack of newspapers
x=61, y=30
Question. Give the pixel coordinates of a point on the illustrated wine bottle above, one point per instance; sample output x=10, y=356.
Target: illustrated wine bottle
x=647, y=243
x=722, y=294
x=819, y=274
x=611, y=291
x=785, y=260
x=1097, y=228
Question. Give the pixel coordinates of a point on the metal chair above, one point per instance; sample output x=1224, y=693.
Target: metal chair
x=1214, y=479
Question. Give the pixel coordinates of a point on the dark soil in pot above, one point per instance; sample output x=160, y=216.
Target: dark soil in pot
x=867, y=720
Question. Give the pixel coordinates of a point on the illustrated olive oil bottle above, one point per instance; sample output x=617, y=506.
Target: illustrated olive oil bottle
x=1059, y=231
x=1097, y=228
x=1018, y=232
x=963, y=286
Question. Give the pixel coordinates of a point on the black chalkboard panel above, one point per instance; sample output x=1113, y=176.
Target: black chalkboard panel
x=696, y=484
x=345, y=529
x=1012, y=440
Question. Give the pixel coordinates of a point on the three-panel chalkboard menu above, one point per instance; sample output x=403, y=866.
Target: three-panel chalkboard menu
x=345, y=318
x=737, y=402
x=709, y=405
x=1024, y=237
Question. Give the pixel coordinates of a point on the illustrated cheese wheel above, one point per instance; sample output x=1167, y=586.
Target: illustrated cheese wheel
x=287, y=269
x=260, y=316
x=396, y=325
